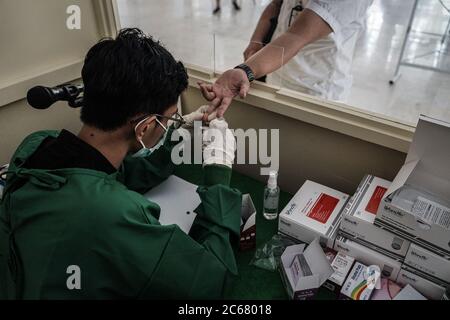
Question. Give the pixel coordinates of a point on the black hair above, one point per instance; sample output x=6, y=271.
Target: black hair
x=129, y=76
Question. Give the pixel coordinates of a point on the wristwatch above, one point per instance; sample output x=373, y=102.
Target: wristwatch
x=247, y=70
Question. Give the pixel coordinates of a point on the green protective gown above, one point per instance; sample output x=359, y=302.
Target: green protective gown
x=53, y=219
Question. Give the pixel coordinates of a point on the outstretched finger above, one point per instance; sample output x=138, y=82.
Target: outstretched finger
x=212, y=116
x=207, y=91
x=223, y=106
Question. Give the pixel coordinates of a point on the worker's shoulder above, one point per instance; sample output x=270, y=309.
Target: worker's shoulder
x=33, y=140
x=30, y=144
x=39, y=136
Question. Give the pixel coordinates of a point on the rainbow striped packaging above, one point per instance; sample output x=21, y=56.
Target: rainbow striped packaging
x=356, y=286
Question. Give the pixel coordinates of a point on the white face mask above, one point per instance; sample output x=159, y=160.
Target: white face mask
x=144, y=151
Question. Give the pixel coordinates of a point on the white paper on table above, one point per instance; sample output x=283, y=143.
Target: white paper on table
x=177, y=198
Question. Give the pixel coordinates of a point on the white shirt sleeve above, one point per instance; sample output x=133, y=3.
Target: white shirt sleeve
x=339, y=13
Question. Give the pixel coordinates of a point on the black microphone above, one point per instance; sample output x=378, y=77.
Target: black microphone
x=40, y=97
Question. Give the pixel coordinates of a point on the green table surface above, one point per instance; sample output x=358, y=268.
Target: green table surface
x=252, y=282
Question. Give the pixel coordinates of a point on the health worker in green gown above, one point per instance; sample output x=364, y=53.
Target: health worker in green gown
x=74, y=223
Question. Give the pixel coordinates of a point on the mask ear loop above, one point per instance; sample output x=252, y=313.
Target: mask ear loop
x=159, y=122
x=135, y=128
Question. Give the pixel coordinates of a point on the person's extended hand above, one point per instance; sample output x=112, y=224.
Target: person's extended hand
x=230, y=84
x=252, y=48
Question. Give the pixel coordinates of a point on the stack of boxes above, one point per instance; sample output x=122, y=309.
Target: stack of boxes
x=361, y=239
x=401, y=260
x=402, y=228
x=417, y=207
x=426, y=271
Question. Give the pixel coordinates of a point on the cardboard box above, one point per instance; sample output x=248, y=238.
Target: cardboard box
x=389, y=266
x=428, y=262
x=314, y=212
x=431, y=289
x=356, y=286
x=304, y=271
x=359, y=216
x=409, y=293
x=342, y=265
x=248, y=227
x=407, y=209
x=389, y=289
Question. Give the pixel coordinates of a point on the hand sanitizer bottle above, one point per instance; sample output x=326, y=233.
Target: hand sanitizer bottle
x=271, y=197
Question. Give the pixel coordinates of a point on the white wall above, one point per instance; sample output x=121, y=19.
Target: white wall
x=35, y=38
x=38, y=49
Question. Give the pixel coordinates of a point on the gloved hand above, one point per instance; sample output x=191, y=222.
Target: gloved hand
x=199, y=115
x=219, y=144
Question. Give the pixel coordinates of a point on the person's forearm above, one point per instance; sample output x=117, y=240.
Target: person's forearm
x=307, y=28
x=263, y=26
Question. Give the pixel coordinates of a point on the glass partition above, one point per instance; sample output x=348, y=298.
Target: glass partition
x=400, y=61
x=229, y=52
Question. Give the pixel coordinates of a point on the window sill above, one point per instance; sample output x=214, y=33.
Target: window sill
x=341, y=118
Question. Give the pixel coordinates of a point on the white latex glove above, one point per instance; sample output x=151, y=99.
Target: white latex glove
x=219, y=144
x=199, y=115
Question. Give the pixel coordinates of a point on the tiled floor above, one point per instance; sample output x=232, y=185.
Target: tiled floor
x=191, y=32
